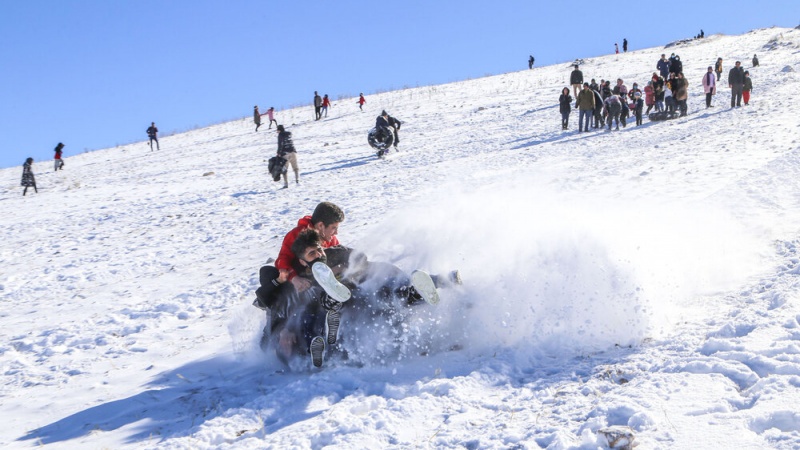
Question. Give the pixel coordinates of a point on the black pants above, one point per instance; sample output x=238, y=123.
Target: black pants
x=639, y=118
x=708, y=99
x=564, y=120
x=153, y=138
x=682, y=107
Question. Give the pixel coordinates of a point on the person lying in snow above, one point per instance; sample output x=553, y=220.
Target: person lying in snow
x=343, y=282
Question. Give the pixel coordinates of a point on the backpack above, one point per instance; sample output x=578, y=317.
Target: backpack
x=275, y=167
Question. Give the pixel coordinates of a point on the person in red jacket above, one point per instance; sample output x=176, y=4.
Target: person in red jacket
x=325, y=104
x=325, y=219
x=361, y=102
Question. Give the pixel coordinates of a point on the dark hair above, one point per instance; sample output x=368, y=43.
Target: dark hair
x=304, y=240
x=327, y=213
x=29, y=160
x=280, y=128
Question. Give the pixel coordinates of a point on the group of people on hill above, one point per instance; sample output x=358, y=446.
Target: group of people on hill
x=666, y=92
x=316, y=284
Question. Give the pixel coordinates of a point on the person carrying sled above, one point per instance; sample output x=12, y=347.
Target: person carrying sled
x=287, y=151
x=28, y=180
x=57, y=161
x=152, y=133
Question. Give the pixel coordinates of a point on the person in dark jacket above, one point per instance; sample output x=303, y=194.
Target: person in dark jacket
x=530, y=62
x=576, y=80
x=747, y=87
x=755, y=61
x=736, y=83
x=384, y=123
x=58, y=162
x=152, y=133
x=287, y=151
x=317, y=106
x=565, y=106
x=624, y=45
x=676, y=66
x=28, y=180
x=663, y=66
x=613, y=107
x=638, y=106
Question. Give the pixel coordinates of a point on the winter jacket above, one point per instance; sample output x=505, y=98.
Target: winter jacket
x=649, y=96
x=361, y=100
x=317, y=101
x=286, y=257
x=663, y=67
x=27, y=176
x=576, y=77
x=681, y=91
x=585, y=101
x=613, y=105
x=285, y=144
x=394, y=123
x=755, y=61
x=58, y=150
x=270, y=113
x=748, y=84
x=718, y=66
x=638, y=106
x=736, y=76
x=151, y=131
x=565, y=103
x=256, y=116
x=709, y=83
x=676, y=67
x=326, y=102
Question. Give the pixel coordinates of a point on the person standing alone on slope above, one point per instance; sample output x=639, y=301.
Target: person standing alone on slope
x=576, y=80
x=152, y=133
x=58, y=162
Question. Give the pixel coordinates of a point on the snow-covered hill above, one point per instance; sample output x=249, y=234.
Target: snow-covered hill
x=646, y=278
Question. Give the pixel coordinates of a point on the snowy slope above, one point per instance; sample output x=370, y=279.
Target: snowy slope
x=645, y=278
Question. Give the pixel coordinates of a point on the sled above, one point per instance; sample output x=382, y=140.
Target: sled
x=381, y=141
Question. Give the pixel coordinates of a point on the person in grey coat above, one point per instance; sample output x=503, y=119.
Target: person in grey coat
x=28, y=180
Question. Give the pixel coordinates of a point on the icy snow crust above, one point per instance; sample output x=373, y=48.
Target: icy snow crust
x=645, y=278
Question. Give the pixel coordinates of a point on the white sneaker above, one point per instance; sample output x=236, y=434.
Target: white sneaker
x=327, y=280
x=423, y=284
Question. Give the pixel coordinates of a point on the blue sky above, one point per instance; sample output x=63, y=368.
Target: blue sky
x=94, y=74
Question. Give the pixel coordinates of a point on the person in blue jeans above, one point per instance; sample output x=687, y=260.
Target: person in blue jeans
x=585, y=104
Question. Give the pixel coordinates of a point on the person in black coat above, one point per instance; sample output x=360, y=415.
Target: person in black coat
x=736, y=83
x=530, y=62
x=152, y=133
x=576, y=80
x=28, y=180
x=565, y=106
x=676, y=66
x=625, y=45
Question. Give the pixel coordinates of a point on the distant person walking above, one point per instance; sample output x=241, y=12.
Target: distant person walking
x=709, y=86
x=325, y=104
x=718, y=68
x=616, y=48
x=755, y=61
x=58, y=162
x=257, y=117
x=28, y=180
x=271, y=116
x=736, y=83
x=152, y=133
x=530, y=62
x=748, y=86
x=317, y=106
x=565, y=107
x=625, y=45
x=576, y=80
x=287, y=151
x=361, y=102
